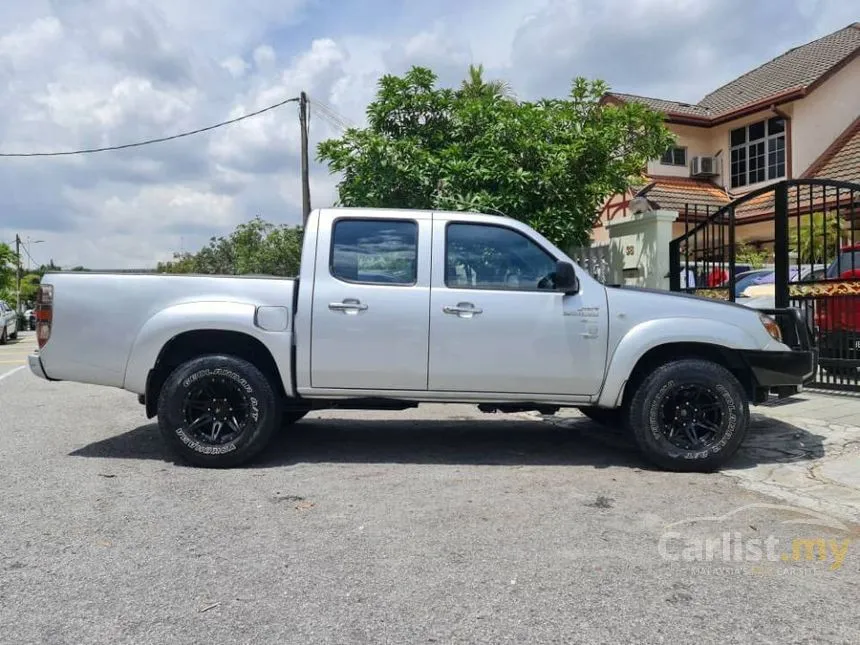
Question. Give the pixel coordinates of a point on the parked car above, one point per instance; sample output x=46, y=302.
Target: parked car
x=8, y=323
x=760, y=293
x=395, y=307
x=837, y=314
x=749, y=278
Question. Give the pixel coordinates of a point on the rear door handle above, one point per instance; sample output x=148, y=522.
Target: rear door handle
x=462, y=309
x=348, y=306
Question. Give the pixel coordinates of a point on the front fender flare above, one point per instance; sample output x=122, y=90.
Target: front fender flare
x=652, y=333
x=201, y=316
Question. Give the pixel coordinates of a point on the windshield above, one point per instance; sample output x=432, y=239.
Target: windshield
x=744, y=280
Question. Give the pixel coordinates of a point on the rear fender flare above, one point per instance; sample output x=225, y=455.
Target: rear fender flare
x=202, y=316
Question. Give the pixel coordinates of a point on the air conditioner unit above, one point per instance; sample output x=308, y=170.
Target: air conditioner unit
x=704, y=167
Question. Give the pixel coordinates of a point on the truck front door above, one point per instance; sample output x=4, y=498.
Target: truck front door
x=497, y=325
x=371, y=297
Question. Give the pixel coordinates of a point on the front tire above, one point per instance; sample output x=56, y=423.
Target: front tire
x=14, y=336
x=3, y=339
x=218, y=411
x=689, y=415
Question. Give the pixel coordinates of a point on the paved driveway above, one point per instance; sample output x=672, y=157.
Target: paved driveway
x=438, y=525
x=13, y=355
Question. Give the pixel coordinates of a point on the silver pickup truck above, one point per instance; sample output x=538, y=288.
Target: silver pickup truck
x=396, y=307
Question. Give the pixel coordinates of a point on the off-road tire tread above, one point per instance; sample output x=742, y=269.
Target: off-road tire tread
x=251, y=444
x=672, y=458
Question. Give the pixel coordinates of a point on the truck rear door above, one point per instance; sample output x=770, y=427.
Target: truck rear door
x=371, y=301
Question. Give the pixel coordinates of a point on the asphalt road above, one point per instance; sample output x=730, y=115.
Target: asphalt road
x=13, y=355
x=438, y=525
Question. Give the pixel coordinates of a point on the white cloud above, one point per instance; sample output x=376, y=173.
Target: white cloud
x=87, y=73
x=236, y=65
x=264, y=56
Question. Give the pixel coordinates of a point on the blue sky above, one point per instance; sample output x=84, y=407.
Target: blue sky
x=78, y=73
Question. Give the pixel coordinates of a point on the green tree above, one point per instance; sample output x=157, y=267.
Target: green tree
x=255, y=247
x=550, y=163
x=818, y=237
x=29, y=286
x=748, y=254
x=7, y=268
x=475, y=87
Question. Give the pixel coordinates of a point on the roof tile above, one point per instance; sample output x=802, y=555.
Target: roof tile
x=675, y=193
x=796, y=69
x=844, y=162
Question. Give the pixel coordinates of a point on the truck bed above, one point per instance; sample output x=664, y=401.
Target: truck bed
x=98, y=317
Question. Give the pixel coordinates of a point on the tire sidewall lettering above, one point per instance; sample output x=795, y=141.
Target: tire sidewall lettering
x=253, y=412
x=731, y=422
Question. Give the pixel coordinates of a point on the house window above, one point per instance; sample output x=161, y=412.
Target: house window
x=758, y=152
x=674, y=157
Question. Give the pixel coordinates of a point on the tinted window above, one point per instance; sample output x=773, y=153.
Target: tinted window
x=479, y=256
x=674, y=157
x=756, y=131
x=775, y=125
x=375, y=251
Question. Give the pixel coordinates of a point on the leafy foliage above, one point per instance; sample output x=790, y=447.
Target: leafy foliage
x=748, y=254
x=818, y=237
x=7, y=270
x=550, y=163
x=255, y=247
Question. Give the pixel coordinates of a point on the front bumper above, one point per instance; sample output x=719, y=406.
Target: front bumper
x=780, y=369
x=35, y=363
x=785, y=372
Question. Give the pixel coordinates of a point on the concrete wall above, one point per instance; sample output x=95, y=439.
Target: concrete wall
x=823, y=115
x=640, y=247
x=696, y=140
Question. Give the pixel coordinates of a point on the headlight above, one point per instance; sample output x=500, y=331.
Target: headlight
x=771, y=327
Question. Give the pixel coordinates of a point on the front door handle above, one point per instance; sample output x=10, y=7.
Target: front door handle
x=462, y=309
x=349, y=306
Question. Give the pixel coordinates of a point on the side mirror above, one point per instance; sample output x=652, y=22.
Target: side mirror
x=565, y=278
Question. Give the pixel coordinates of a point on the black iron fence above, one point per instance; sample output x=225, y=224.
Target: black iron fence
x=811, y=263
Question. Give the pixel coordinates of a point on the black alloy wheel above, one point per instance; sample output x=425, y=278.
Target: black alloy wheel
x=218, y=411
x=692, y=416
x=215, y=410
x=689, y=414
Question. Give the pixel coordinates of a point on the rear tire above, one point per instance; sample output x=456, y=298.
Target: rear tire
x=3, y=339
x=218, y=411
x=689, y=415
x=14, y=336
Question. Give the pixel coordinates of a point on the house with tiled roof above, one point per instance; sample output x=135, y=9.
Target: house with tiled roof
x=797, y=115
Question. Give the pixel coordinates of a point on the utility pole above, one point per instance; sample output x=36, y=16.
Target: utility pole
x=18, y=273
x=306, y=187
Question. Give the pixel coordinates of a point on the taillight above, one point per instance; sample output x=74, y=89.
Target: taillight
x=44, y=313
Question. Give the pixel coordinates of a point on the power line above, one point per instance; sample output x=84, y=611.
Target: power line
x=331, y=121
x=23, y=246
x=150, y=141
x=333, y=116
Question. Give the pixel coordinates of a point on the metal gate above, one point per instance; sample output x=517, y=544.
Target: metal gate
x=811, y=263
